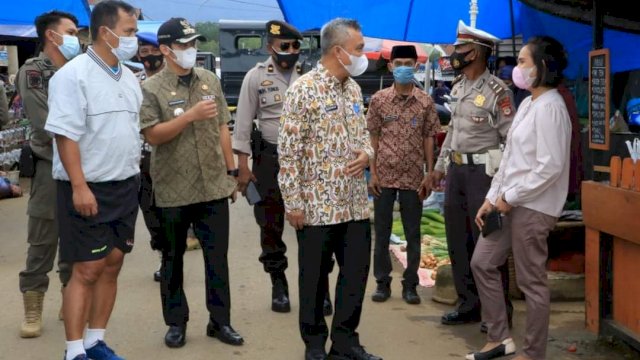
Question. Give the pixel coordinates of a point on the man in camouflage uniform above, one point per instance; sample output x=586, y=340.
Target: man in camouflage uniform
x=57, y=32
x=481, y=114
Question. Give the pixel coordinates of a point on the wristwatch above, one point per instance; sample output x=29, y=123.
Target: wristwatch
x=233, y=172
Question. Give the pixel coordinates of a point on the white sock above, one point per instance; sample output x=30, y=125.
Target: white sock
x=92, y=336
x=74, y=348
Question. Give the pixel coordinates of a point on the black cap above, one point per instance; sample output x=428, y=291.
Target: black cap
x=282, y=30
x=404, y=52
x=177, y=30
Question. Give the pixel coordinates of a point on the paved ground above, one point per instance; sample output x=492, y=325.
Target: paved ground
x=393, y=330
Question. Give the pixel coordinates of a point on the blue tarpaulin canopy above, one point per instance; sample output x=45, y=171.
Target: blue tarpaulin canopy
x=435, y=21
x=25, y=12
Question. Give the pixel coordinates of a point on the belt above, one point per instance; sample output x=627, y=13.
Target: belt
x=468, y=159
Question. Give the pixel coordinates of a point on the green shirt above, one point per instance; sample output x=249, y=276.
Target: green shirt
x=190, y=168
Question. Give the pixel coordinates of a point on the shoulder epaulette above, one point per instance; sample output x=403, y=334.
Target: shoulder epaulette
x=457, y=79
x=496, y=87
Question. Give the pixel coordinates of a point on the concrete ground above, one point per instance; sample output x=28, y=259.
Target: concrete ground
x=393, y=330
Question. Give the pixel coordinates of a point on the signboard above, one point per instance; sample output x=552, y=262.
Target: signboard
x=599, y=111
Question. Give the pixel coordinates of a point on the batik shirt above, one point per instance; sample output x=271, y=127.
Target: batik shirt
x=322, y=126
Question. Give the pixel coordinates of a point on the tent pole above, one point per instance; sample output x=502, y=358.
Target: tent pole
x=598, y=24
x=513, y=29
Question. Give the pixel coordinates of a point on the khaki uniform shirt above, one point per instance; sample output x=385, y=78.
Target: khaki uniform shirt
x=482, y=112
x=190, y=168
x=261, y=95
x=323, y=123
x=32, y=83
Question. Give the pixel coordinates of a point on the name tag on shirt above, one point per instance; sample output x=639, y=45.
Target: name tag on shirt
x=330, y=108
x=208, y=97
x=389, y=118
x=176, y=102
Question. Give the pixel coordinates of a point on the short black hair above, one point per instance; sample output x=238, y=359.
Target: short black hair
x=45, y=21
x=550, y=59
x=105, y=13
x=508, y=60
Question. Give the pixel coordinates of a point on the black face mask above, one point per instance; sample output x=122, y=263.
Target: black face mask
x=152, y=62
x=458, y=61
x=286, y=61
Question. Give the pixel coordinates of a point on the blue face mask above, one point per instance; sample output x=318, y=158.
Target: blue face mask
x=70, y=46
x=403, y=74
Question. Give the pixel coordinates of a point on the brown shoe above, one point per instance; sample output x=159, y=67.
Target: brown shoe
x=192, y=243
x=32, y=324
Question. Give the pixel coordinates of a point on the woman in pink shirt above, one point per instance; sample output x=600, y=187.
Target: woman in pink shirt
x=528, y=192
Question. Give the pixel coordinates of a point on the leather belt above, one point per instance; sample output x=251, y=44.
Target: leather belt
x=468, y=159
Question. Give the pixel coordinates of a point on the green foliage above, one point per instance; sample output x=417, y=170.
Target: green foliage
x=210, y=30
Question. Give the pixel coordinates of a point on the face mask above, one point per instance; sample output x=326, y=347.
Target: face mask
x=358, y=64
x=285, y=59
x=403, y=74
x=127, y=47
x=186, y=59
x=458, y=61
x=152, y=62
x=522, y=77
x=70, y=46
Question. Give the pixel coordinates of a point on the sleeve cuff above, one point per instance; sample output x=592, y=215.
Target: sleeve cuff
x=511, y=197
x=241, y=147
x=56, y=130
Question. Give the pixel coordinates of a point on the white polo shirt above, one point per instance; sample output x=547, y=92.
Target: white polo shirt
x=99, y=109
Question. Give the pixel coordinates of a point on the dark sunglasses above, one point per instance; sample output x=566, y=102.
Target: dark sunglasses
x=286, y=45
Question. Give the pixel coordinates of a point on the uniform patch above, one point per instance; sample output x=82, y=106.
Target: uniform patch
x=479, y=100
x=176, y=102
x=263, y=100
x=178, y=111
x=34, y=79
x=277, y=98
x=505, y=106
x=205, y=87
x=266, y=83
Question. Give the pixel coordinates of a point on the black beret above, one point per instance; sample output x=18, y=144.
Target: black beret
x=404, y=52
x=282, y=30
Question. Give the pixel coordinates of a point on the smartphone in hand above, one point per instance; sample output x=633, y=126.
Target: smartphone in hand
x=253, y=196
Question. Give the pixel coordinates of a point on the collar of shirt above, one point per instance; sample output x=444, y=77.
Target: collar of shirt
x=479, y=82
x=326, y=77
x=115, y=75
x=45, y=59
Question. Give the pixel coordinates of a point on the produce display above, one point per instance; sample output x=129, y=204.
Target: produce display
x=434, y=252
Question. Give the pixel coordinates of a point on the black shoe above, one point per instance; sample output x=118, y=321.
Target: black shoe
x=280, y=293
x=456, y=318
x=507, y=347
x=327, y=307
x=382, y=293
x=156, y=276
x=353, y=353
x=410, y=295
x=224, y=333
x=483, y=326
x=176, y=336
x=314, y=354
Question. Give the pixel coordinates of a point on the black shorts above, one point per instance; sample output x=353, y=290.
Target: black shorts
x=93, y=238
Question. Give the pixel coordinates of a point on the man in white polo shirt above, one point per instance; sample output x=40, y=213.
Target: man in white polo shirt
x=94, y=106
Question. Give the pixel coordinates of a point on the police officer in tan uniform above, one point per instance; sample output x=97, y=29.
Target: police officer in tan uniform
x=482, y=112
x=261, y=97
x=57, y=32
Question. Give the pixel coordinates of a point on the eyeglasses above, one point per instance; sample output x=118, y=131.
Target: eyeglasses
x=286, y=45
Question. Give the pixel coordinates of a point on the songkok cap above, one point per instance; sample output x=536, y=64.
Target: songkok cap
x=404, y=52
x=282, y=30
x=178, y=30
x=467, y=34
x=505, y=72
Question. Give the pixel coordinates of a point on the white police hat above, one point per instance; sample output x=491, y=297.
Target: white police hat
x=467, y=34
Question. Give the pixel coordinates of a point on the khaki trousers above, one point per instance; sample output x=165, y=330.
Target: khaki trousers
x=525, y=231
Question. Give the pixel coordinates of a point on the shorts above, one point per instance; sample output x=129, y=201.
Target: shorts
x=93, y=238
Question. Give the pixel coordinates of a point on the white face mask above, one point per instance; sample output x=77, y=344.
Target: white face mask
x=127, y=47
x=186, y=59
x=70, y=46
x=358, y=64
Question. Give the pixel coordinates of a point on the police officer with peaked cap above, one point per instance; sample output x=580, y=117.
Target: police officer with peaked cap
x=482, y=110
x=261, y=97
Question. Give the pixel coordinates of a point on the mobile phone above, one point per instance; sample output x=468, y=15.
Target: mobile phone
x=253, y=196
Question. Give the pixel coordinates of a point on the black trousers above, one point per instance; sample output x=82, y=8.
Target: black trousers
x=211, y=224
x=269, y=212
x=411, y=213
x=465, y=190
x=351, y=244
x=147, y=205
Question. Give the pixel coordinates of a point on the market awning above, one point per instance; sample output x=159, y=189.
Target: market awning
x=24, y=13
